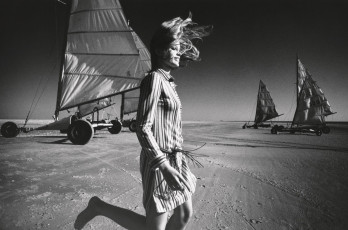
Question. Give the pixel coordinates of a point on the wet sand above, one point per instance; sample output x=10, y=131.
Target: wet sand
x=251, y=179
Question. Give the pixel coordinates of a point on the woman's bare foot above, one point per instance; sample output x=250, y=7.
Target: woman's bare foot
x=88, y=214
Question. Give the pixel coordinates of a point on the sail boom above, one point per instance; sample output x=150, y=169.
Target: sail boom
x=97, y=99
x=274, y=116
x=105, y=75
x=95, y=110
x=103, y=54
x=101, y=31
x=99, y=9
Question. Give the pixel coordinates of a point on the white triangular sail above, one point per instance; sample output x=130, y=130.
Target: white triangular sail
x=101, y=56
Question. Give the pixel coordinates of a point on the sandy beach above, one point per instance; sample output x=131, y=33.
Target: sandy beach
x=251, y=179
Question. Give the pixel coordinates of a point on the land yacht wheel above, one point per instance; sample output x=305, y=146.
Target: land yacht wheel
x=326, y=129
x=274, y=130
x=116, y=127
x=133, y=126
x=318, y=132
x=80, y=132
x=9, y=129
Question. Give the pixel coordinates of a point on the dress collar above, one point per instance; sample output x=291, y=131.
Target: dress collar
x=166, y=75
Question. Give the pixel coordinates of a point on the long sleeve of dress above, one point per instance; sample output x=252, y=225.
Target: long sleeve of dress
x=150, y=92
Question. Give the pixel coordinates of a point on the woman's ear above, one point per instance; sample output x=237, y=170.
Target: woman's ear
x=160, y=53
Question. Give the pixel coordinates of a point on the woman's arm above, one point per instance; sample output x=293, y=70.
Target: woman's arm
x=150, y=91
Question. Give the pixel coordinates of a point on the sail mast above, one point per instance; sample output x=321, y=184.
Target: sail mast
x=257, y=102
x=297, y=91
x=59, y=91
x=122, y=106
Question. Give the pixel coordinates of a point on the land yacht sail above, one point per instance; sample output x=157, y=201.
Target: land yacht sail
x=103, y=57
x=311, y=108
x=130, y=98
x=265, y=108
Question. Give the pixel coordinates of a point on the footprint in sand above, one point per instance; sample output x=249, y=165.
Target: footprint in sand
x=103, y=171
x=243, y=187
x=253, y=221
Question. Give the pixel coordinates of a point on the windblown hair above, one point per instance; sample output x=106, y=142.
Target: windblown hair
x=182, y=30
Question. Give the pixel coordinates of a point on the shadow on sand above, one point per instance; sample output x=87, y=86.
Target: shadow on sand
x=64, y=141
x=272, y=144
x=124, y=217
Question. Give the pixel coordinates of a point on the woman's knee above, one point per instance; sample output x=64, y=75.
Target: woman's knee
x=186, y=212
x=186, y=217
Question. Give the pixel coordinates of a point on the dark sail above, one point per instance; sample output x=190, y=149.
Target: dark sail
x=265, y=109
x=312, y=107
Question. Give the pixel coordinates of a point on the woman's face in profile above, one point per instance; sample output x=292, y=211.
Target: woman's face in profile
x=171, y=56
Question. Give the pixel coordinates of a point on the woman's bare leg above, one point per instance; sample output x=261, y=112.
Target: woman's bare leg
x=124, y=217
x=181, y=216
x=154, y=220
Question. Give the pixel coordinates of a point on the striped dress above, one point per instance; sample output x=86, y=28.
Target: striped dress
x=159, y=126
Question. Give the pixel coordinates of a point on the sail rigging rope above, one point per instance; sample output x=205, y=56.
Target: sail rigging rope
x=35, y=99
x=254, y=106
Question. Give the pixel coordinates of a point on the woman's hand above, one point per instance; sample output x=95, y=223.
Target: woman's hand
x=173, y=178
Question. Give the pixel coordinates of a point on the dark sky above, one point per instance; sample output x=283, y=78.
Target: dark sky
x=252, y=40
